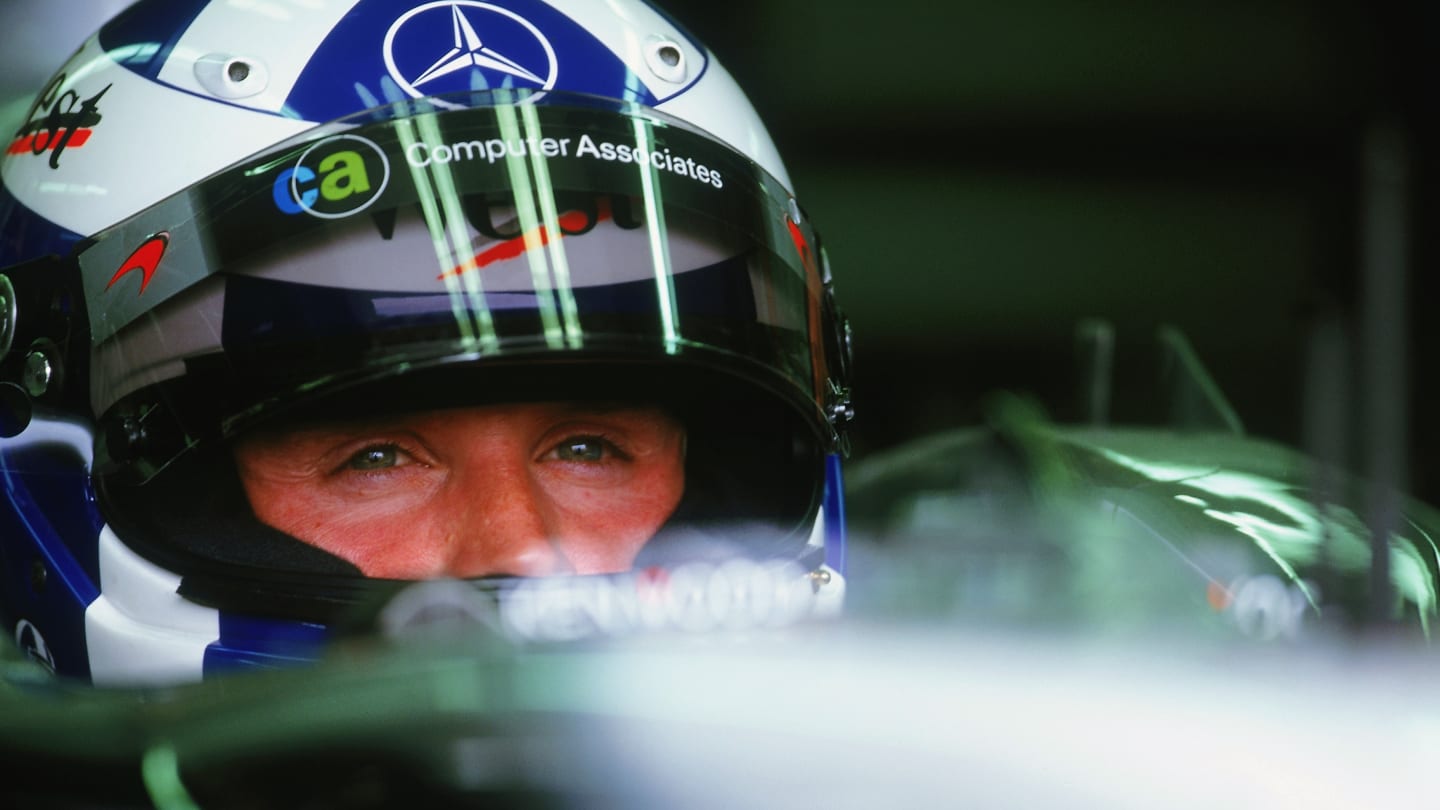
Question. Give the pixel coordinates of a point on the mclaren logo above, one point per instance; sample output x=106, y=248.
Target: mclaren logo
x=145, y=259
x=462, y=46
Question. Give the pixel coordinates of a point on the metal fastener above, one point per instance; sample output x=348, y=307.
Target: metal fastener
x=8, y=315
x=37, y=374
x=819, y=578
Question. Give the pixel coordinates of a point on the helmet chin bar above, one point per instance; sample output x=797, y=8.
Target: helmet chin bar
x=141, y=630
x=140, y=627
x=690, y=598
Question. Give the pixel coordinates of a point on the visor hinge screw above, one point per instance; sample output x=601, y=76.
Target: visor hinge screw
x=841, y=409
x=38, y=373
x=819, y=578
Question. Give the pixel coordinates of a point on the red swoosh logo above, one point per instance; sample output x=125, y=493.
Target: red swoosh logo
x=145, y=259
x=571, y=221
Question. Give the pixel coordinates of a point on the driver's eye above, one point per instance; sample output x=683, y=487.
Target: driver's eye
x=581, y=448
x=378, y=457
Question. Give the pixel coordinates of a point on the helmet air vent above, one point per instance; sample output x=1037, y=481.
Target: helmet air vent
x=666, y=59
x=231, y=77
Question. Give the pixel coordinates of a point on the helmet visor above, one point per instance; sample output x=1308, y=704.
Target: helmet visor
x=417, y=237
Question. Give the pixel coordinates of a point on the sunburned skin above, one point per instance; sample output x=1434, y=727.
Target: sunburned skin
x=526, y=489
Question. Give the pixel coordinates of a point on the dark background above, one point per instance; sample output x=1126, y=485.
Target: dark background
x=987, y=174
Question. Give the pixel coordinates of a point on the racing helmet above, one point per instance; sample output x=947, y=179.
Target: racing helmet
x=217, y=217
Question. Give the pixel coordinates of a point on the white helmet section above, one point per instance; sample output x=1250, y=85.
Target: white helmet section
x=156, y=137
x=274, y=51
x=711, y=98
x=140, y=630
x=149, y=142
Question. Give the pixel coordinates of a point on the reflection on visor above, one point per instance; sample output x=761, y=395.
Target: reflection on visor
x=699, y=596
x=497, y=231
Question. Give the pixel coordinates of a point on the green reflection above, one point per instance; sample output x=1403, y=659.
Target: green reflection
x=655, y=216
x=160, y=770
x=451, y=239
x=559, y=264
x=1290, y=529
x=527, y=210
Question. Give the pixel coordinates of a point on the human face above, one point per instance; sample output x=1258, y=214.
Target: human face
x=524, y=489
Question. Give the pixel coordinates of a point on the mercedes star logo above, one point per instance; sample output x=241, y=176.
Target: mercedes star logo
x=415, y=40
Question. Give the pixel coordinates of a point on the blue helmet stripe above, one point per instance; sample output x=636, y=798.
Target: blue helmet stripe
x=142, y=37
x=834, y=506
x=248, y=643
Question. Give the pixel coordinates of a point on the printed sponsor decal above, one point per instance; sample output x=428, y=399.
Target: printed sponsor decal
x=57, y=121
x=696, y=597
x=461, y=46
x=32, y=643
x=423, y=155
x=335, y=178
x=1264, y=607
x=145, y=259
x=586, y=213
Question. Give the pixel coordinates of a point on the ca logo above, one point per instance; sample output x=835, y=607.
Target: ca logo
x=334, y=178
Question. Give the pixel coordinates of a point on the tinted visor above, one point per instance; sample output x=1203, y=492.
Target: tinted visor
x=416, y=238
